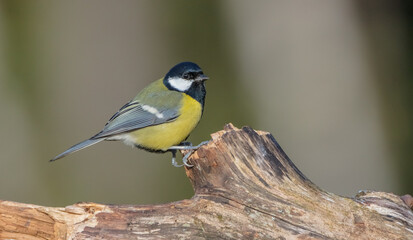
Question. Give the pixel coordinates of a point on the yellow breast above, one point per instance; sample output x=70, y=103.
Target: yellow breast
x=163, y=136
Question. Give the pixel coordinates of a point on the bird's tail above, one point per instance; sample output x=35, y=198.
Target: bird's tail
x=78, y=147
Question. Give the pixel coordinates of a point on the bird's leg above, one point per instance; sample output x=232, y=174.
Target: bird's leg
x=185, y=144
x=174, y=163
x=185, y=147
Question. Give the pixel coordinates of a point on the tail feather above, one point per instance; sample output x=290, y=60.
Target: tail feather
x=78, y=147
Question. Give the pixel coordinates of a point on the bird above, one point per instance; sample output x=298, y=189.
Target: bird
x=160, y=118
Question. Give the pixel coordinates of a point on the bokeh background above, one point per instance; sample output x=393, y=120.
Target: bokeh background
x=331, y=80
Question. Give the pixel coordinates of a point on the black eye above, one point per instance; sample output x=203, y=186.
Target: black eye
x=186, y=76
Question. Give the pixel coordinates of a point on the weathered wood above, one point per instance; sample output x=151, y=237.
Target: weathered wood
x=245, y=188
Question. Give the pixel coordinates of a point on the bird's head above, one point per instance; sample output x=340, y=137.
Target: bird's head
x=183, y=76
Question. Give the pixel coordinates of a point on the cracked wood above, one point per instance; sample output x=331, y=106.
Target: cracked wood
x=245, y=187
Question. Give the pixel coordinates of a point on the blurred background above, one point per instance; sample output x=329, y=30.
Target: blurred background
x=331, y=80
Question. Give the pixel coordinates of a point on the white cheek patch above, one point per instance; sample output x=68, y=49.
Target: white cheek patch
x=180, y=84
x=152, y=110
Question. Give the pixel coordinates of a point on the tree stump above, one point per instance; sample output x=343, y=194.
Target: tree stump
x=245, y=188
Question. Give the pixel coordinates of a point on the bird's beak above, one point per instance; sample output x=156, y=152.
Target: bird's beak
x=201, y=78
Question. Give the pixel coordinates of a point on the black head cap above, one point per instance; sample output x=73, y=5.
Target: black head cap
x=180, y=69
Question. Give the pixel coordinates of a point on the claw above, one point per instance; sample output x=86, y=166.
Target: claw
x=202, y=144
x=185, y=158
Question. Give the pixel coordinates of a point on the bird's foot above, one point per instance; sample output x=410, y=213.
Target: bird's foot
x=185, y=146
x=174, y=162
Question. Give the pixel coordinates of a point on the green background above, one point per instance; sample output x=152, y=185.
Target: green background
x=331, y=80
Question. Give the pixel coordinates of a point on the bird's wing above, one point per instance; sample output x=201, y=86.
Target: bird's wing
x=135, y=115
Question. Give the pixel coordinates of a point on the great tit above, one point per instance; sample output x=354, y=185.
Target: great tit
x=160, y=117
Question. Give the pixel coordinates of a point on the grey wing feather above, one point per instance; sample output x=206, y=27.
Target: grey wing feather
x=77, y=147
x=132, y=117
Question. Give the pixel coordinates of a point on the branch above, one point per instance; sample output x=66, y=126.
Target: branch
x=245, y=188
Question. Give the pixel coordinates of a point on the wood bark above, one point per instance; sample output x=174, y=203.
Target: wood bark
x=245, y=188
